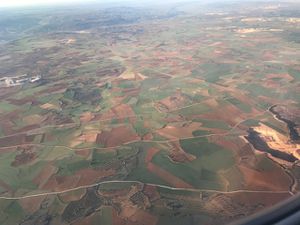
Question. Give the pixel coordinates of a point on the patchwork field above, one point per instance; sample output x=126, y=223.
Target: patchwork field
x=181, y=113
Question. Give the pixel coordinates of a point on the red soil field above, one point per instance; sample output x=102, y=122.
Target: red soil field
x=116, y=220
x=8, y=149
x=119, y=111
x=267, y=199
x=86, y=117
x=131, y=91
x=118, y=100
x=272, y=84
x=274, y=180
x=44, y=175
x=151, y=192
x=123, y=110
x=117, y=136
x=61, y=183
x=143, y=217
x=90, y=176
x=284, y=76
x=27, y=128
x=31, y=205
x=22, y=101
x=229, y=114
x=12, y=140
x=105, y=116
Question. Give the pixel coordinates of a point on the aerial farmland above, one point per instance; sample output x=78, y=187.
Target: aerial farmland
x=181, y=113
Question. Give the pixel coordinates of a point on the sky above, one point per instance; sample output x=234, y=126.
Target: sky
x=17, y=3
x=13, y=3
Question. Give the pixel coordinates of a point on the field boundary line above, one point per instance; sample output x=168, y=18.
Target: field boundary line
x=144, y=141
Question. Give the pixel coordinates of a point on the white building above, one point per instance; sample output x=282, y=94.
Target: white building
x=18, y=80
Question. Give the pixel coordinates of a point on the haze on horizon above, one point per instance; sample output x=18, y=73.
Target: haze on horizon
x=21, y=3
x=17, y=3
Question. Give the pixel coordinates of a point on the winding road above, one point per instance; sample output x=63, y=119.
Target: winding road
x=141, y=141
x=138, y=182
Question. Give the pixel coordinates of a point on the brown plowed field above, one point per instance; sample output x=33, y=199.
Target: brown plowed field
x=151, y=192
x=12, y=140
x=61, y=183
x=143, y=217
x=117, y=136
x=90, y=176
x=123, y=110
x=86, y=117
x=31, y=205
x=229, y=114
x=274, y=180
x=267, y=199
x=44, y=175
